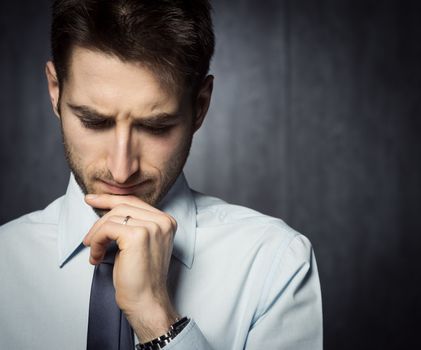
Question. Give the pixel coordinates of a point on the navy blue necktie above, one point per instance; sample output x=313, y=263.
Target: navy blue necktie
x=108, y=328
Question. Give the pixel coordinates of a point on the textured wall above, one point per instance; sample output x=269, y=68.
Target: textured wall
x=315, y=119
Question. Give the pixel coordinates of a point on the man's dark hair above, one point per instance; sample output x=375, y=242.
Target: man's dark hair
x=173, y=38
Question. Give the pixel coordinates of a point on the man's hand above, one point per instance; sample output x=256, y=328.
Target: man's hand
x=141, y=266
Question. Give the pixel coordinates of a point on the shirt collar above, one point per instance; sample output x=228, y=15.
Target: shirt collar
x=76, y=218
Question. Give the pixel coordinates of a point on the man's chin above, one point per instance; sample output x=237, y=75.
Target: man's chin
x=147, y=191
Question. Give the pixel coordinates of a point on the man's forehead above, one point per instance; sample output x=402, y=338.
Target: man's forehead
x=94, y=63
x=108, y=84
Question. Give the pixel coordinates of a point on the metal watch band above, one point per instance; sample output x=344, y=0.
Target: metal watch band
x=160, y=342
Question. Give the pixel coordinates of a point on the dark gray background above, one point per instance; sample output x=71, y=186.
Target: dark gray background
x=315, y=119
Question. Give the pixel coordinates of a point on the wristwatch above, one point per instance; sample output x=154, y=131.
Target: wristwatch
x=160, y=342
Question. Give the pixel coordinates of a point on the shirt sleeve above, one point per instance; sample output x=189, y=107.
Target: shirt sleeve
x=290, y=312
x=190, y=338
x=289, y=315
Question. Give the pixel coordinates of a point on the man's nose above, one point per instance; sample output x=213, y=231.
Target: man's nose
x=122, y=157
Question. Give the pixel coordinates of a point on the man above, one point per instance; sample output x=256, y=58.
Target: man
x=170, y=267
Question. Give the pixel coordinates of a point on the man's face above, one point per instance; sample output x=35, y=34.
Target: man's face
x=123, y=132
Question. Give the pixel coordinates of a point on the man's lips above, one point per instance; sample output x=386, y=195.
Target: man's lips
x=119, y=189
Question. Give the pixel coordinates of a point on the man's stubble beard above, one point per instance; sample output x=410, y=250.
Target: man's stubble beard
x=171, y=174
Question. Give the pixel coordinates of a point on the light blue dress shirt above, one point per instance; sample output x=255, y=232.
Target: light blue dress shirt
x=247, y=280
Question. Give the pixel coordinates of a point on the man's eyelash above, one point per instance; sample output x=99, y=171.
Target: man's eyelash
x=154, y=130
x=96, y=123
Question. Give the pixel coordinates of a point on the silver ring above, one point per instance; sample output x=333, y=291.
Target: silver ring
x=126, y=219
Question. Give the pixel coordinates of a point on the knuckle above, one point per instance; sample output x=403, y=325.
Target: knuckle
x=114, y=218
x=140, y=231
x=155, y=228
x=172, y=223
x=168, y=227
x=140, y=236
x=107, y=225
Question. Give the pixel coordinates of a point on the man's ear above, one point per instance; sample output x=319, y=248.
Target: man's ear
x=53, y=86
x=203, y=101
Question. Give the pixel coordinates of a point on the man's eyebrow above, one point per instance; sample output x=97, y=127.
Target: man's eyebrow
x=86, y=111
x=159, y=118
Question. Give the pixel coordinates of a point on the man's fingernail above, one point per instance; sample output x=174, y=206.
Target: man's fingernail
x=91, y=196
